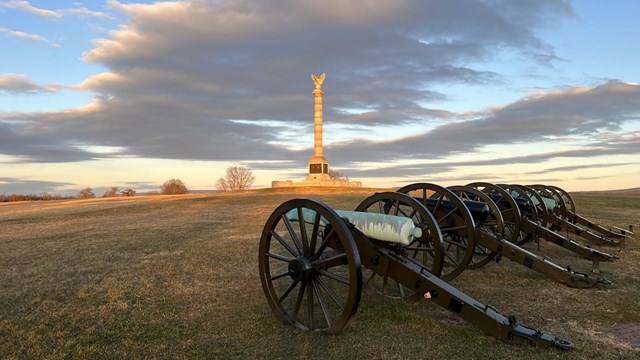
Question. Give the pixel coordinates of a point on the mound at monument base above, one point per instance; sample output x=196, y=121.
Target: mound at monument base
x=333, y=183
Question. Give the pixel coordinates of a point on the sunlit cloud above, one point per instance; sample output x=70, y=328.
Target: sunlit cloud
x=21, y=84
x=78, y=10
x=26, y=6
x=29, y=37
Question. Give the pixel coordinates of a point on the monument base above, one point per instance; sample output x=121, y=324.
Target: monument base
x=308, y=182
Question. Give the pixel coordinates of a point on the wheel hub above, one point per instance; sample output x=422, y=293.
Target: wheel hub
x=300, y=269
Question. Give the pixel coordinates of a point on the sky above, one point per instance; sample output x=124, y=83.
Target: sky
x=133, y=93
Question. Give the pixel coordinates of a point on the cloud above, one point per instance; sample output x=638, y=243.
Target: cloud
x=229, y=80
x=29, y=37
x=574, y=112
x=10, y=186
x=580, y=167
x=26, y=6
x=78, y=10
x=21, y=84
x=86, y=13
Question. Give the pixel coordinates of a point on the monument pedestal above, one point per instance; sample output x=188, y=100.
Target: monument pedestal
x=318, y=168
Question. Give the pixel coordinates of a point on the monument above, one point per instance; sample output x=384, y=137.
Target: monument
x=318, y=163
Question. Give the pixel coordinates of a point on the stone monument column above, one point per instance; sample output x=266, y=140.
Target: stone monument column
x=318, y=164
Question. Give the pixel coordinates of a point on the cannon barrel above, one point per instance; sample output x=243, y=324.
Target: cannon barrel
x=382, y=227
x=478, y=209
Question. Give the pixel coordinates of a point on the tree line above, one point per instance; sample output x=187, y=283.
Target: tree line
x=236, y=178
x=32, y=197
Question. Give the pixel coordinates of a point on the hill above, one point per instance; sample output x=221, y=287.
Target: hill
x=177, y=277
x=632, y=190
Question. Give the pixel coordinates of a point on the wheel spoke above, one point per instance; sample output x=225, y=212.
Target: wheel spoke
x=506, y=211
x=413, y=213
x=331, y=259
x=331, y=293
x=461, y=245
x=279, y=276
x=296, y=308
x=323, y=304
x=286, y=292
x=404, y=213
x=336, y=277
x=284, y=243
x=437, y=207
x=447, y=215
x=303, y=231
x=453, y=228
x=292, y=232
x=310, y=304
x=324, y=244
x=314, y=234
x=279, y=257
x=454, y=261
x=397, y=203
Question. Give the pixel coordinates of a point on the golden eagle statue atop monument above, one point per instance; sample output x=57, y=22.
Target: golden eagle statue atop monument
x=318, y=80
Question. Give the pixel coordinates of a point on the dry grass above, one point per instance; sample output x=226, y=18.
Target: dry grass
x=176, y=277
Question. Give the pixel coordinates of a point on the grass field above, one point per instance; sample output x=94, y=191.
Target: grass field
x=177, y=277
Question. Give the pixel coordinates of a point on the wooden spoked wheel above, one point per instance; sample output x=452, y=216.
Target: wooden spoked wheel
x=455, y=223
x=541, y=208
x=549, y=192
x=491, y=223
x=309, y=266
x=427, y=250
x=527, y=208
x=568, y=200
x=508, y=208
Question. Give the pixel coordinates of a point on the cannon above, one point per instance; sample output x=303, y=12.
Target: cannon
x=563, y=217
x=527, y=213
x=475, y=231
x=311, y=261
x=569, y=212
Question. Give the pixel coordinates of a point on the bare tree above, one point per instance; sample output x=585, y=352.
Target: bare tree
x=237, y=178
x=337, y=175
x=221, y=184
x=86, y=193
x=128, y=192
x=111, y=193
x=174, y=187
